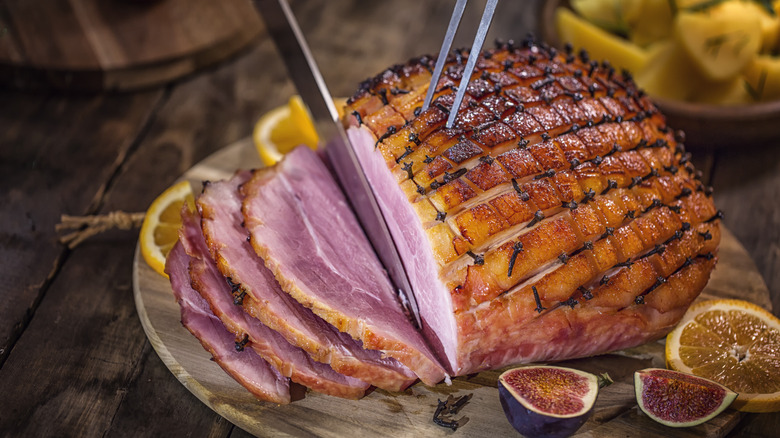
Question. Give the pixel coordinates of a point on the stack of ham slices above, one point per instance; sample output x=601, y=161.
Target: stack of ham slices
x=559, y=218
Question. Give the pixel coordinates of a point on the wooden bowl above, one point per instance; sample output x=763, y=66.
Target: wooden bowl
x=706, y=126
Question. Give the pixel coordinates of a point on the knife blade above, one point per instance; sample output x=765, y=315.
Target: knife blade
x=303, y=70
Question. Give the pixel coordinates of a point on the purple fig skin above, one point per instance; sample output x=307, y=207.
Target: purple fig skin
x=532, y=424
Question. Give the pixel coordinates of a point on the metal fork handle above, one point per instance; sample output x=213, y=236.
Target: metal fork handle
x=479, y=40
x=452, y=29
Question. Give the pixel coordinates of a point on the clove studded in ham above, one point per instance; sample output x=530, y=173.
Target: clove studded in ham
x=222, y=225
x=560, y=217
x=249, y=369
x=289, y=360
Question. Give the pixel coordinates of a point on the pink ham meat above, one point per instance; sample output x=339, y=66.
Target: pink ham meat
x=249, y=369
x=302, y=226
x=220, y=208
x=289, y=360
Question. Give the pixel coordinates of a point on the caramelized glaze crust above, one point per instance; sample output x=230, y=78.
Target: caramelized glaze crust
x=560, y=199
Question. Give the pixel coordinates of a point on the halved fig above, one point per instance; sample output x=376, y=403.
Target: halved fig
x=547, y=401
x=677, y=399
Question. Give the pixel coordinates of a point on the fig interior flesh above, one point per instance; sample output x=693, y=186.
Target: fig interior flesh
x=678, y=399
x=547, y=401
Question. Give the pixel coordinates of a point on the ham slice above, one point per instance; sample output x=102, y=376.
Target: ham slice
x=222, y=225
x=246, y=367
x=289, y=360
x=301, y=225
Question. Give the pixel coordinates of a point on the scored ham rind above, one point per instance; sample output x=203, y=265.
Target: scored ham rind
x=222, y=225
x=560, y=217
x=289, y=360
x=246, y=367
x=301, y=225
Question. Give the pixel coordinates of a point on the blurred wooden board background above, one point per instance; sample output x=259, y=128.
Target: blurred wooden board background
x=96, y=45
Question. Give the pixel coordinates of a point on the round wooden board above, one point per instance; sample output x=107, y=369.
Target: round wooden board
x=97, y=45
x=410, y=413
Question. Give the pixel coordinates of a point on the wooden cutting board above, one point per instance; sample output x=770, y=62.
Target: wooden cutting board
x=96, y=45
x=410, y=413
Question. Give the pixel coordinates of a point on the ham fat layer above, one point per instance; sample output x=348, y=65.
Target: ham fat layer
x=301, y=225
x=246, y=367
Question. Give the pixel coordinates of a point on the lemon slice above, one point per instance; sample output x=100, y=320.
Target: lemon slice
x=283, y=128
x=734, y=343
x=160, y=229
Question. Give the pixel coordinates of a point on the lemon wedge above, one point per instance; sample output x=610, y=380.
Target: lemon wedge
x=283, y=128
x=160, y=229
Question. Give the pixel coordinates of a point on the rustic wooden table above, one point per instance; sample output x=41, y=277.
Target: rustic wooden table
x=74, y=360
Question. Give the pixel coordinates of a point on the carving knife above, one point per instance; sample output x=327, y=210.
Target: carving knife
x=302, y=68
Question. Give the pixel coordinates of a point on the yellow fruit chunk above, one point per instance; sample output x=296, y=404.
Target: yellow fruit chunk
x=769, y=24
x=722, y=41
x=611, y=15
x=669, y=73
x=762, y=78
x=651, y=21
x=731, y=92
x=601, y=44
x=734, y=343
x=283, y=128
x=160, y=229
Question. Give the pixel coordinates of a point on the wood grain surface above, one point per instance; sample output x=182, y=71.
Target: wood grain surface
x=74, y=360
x=99, y=45
x=382, y=413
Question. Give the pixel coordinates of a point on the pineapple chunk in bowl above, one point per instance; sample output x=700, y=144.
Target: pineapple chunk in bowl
x=711, y=66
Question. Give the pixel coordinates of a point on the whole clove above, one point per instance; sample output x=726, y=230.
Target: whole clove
x=716, y=216
x=242, y=343
x=586, y=293
x=590, y=194
x=571, y=302
x=611, y=184
x=390, y=131
x=684, y=192
x=524, y=196
x=516, y=248
x=446, y=409
x=538, y=216
x=539, y=308
x=407, y=150
x=478, y=258
x=358, y=117
x=407, y=167
x=549, y=173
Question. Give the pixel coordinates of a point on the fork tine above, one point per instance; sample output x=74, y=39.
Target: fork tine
x=476, y=48
x=452, y=29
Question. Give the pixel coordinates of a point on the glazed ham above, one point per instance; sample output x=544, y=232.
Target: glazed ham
x=559, y=217
x=246, y=367
x=249, y=332
x=223, y=227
